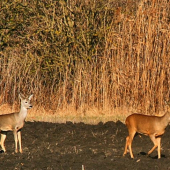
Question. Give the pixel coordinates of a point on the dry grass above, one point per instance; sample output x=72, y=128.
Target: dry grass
x=88, y=115
x=91, y=115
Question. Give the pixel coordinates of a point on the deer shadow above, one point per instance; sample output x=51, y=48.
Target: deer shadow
x=153, y=157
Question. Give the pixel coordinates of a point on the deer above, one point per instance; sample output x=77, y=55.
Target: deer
x=152, y=126
x=15, y=122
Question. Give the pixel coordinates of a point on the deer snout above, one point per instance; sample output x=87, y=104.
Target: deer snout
x=30, y=106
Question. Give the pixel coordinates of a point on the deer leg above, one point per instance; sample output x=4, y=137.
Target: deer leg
x=154, y=140
x=19, y=139
x=159, y=147
x=129, y=140
x=3, y=137
x=126, y=145
x=131, y=136
x=16, y=140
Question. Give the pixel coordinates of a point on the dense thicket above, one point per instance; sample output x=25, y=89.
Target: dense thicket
x=86, y=53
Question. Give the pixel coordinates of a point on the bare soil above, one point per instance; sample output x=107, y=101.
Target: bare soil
x=70, y=146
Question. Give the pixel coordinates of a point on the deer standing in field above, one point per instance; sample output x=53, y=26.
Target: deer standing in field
x=14, y=122
x=152, y=126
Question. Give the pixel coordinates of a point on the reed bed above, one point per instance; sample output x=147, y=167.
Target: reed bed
x=86, y=58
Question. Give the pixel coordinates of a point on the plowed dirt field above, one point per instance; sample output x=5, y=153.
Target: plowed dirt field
x=71, y=146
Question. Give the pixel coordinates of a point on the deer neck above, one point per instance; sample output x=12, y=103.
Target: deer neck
x=166, y=119
x=23, y=113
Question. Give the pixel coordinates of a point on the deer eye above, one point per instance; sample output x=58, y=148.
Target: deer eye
x=26, y=102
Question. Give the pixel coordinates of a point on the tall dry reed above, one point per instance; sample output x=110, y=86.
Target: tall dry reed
x=86, y=54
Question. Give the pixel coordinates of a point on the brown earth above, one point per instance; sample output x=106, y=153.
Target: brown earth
x=70, y=146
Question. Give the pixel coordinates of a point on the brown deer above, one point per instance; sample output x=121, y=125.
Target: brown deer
x=14, y=122
x=152, y=126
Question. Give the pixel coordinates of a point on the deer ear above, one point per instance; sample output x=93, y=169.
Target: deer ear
x=21, y=96
x=30, y=97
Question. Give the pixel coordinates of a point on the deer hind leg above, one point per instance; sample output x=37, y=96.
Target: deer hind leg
x=157, y=143
x=128, y=144
x=159, y=147
x=131, y=136
x=3, y=137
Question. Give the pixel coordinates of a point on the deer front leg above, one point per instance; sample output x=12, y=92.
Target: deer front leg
x=19, y=139
x=16, y=140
